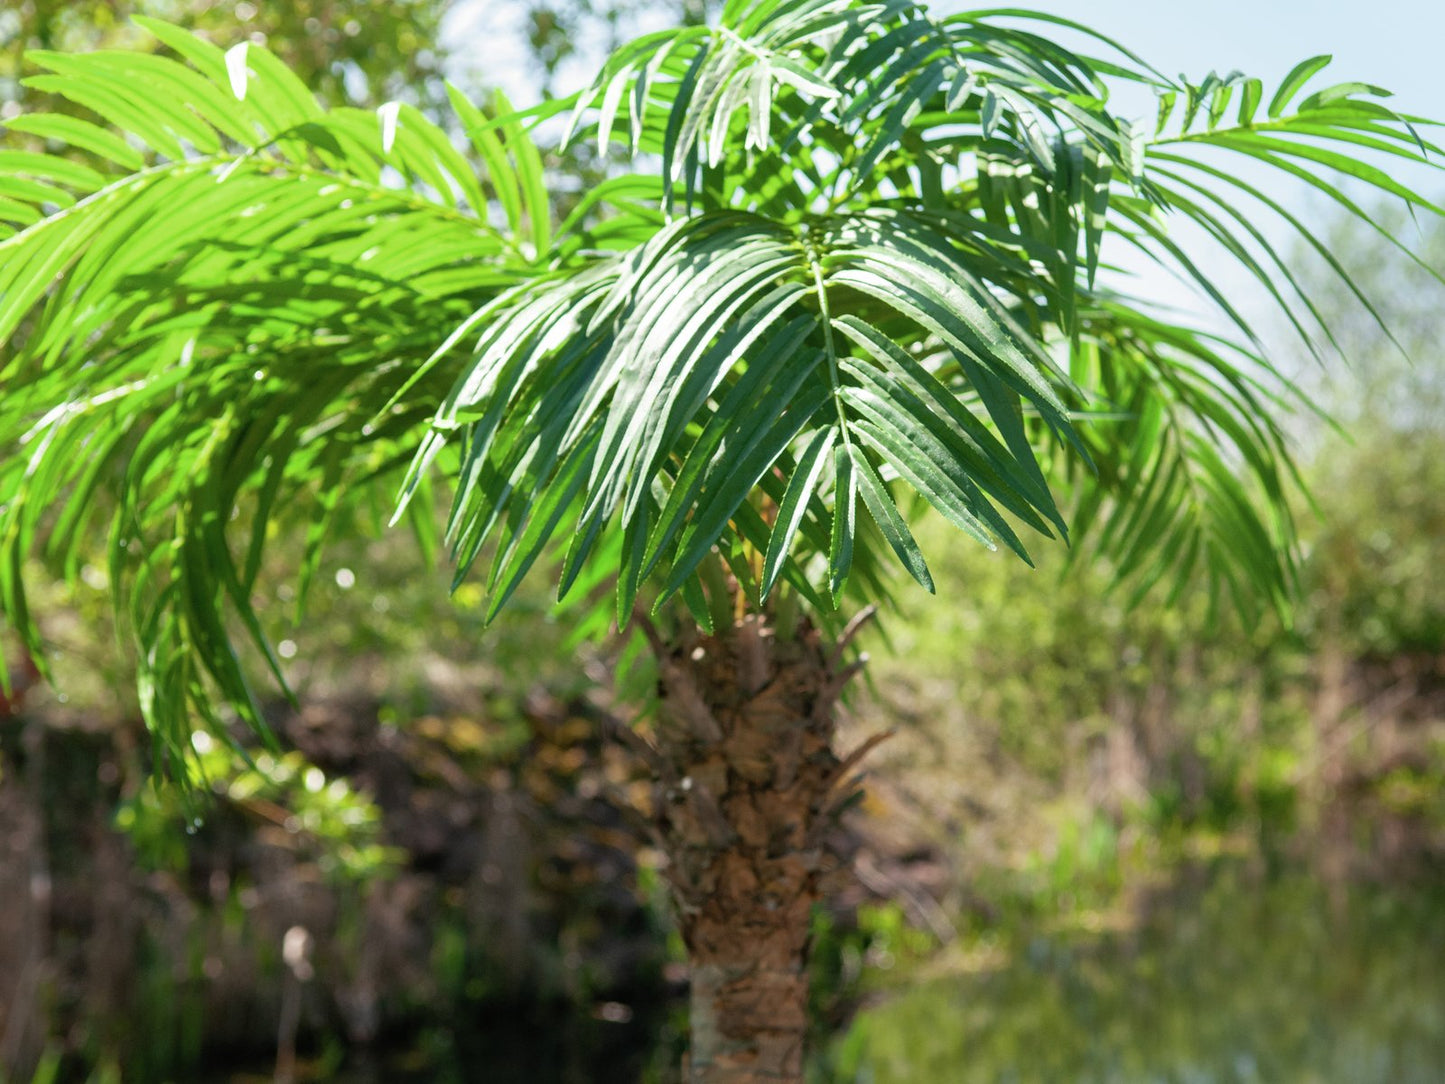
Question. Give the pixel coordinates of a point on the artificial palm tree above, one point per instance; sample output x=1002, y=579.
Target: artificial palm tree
x=860, y=271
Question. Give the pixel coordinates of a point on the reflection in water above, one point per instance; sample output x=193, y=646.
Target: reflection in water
x=524, y=1048
x=1224, y=982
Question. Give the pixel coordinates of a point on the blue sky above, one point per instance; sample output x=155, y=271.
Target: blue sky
x=1397, y=44
x=1394, y=43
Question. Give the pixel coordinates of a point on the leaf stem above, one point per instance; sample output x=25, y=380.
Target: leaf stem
x=816, y=266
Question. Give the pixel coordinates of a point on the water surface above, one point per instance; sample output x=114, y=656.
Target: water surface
x=1224, y=981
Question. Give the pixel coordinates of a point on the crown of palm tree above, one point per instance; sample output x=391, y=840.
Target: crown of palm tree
x=855, y=263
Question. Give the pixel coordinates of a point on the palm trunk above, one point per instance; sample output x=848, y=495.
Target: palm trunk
x=748, y=784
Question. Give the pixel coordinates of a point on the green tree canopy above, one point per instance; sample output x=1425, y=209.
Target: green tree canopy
x=860, y=265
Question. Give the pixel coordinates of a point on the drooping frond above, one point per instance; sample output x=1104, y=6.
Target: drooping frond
x=1192, y=471
x=660, y=390
x=206, y=332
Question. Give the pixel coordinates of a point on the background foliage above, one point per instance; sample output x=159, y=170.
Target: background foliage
x=1070, y=751
x=365, y=51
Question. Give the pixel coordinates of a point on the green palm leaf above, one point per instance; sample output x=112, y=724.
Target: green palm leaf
x=204, y=337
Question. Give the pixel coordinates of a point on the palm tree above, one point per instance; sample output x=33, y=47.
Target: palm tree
x=860, y=265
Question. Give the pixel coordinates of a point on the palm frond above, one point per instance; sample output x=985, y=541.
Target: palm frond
x=1003, y=141
x=204, y=334
x=874, y=273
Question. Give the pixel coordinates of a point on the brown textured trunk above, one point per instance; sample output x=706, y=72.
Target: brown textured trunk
x=749, y=783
